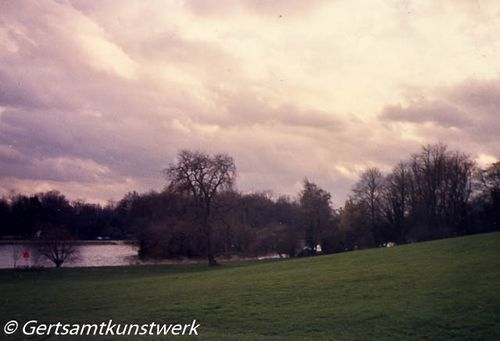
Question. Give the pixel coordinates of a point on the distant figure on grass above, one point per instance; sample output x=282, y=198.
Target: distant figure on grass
x=203, y=177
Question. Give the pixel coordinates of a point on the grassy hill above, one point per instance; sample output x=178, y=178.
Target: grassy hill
x=447, y=289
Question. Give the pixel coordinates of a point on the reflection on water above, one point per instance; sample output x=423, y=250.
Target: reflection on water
x=89, y=255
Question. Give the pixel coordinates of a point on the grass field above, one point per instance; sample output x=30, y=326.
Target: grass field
x=447, y=289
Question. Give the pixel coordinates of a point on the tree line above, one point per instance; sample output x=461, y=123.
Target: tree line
x=435, y=193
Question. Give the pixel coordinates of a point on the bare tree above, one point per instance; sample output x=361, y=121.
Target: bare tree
x=487, y=200
x=368, y=192
x=490, y=178
x=57, y=245
x=204, y=177
x=440, y=189
x=395, y=200
x=15, y=252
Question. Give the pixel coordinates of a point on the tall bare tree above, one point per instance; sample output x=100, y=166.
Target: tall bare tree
x=440, y=189
x=368, y=192
x=204, y=177
x=487, y=201
x=395, y=200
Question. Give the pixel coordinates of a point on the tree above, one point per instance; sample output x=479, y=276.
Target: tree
x=439, y=191
x=25, y=216
x=354, y=227
x=203, y=177
x=317, y=212
x=395, y=202
x=54, y=208
x=57, y=245
x=4, y=217
x=487, y=201
x=368, y=192
x=490, y=178
x=15, y=253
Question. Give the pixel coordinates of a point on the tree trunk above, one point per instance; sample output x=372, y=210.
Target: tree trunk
x=210, y=252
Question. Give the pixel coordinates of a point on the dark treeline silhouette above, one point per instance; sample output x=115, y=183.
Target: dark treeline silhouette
x=25, y=217
x=435, y=193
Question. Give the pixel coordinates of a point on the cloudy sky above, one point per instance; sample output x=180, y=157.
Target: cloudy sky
x=96, y=97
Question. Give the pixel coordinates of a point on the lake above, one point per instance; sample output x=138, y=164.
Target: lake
x=90, y=254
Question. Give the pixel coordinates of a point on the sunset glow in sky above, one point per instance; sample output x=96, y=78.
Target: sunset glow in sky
x=97, y=97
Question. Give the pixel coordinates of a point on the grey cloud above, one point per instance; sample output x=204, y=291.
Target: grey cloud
x=15, y=92
x=125, y=148
x=244, y=107
x=9, y=155
x=483, y=96
x=465, y=116
x=275, y=8
x=439, y=112
x=59, y=169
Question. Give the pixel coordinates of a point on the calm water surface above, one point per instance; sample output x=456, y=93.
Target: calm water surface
x=89, y=255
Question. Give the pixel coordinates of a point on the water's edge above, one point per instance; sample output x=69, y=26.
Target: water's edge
x=90, y=253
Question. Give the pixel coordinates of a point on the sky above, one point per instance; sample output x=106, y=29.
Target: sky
x=97, y=97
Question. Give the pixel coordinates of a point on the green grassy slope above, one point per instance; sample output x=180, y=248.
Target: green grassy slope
x=444, y=289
